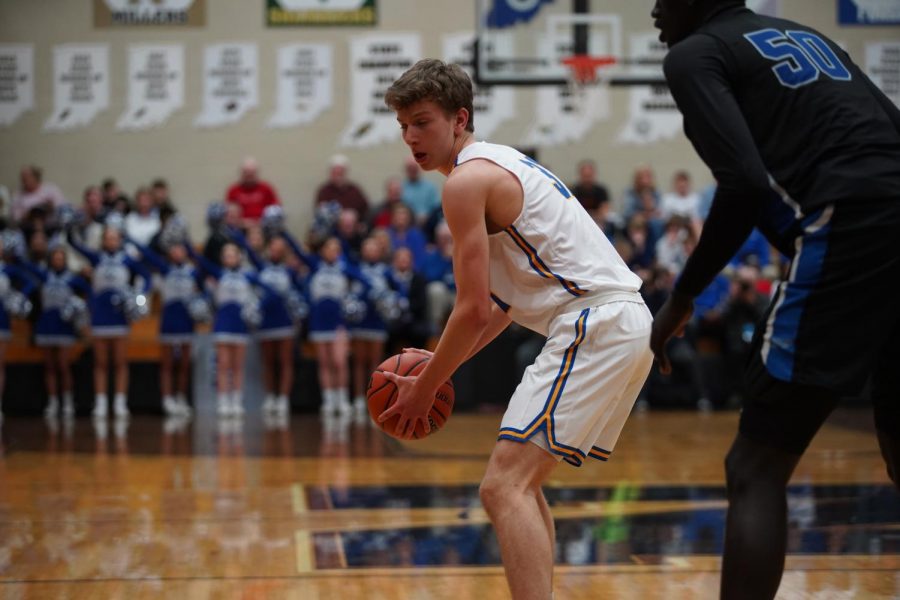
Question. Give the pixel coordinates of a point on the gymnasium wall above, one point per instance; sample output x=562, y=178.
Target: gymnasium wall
x=200, y=163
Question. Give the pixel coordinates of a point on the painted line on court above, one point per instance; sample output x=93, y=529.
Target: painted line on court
x=306, y=560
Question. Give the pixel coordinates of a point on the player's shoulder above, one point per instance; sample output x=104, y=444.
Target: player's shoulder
x=689, y=53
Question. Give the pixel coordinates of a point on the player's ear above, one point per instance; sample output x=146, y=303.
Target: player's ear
x=462, y=119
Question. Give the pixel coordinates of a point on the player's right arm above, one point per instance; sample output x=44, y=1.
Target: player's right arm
x=498, y=322
x=697, y=75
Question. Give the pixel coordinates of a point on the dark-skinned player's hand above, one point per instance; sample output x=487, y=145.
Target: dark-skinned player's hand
x=670, y=320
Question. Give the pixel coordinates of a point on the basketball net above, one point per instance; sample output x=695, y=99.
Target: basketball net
x=585, y=69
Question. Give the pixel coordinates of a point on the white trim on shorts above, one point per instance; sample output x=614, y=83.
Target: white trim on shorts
x=230, y=338
x=277, y=333
x=109, y=331
x=326, y=336
x=583, y=385
x=52, y=341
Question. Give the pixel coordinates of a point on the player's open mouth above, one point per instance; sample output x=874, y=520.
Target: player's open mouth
x=419, y=156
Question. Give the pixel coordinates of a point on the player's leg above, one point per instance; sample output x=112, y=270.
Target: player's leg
x=50, y=363
x=359, y=364
x=65, y=373
x=165, y=377
x=223, y=377
x=778, y=422
x=119, y=347
x=511, y=494
x=323, y=370
x=886, y=401
x=101, y=372
x=238, y=354
x=340, y=354
x=286, y=374
x=183, y=377
x=267, y=350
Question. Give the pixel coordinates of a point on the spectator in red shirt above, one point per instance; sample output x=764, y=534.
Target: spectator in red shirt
x=341, y=190
x=393, y=195
x=251, y=193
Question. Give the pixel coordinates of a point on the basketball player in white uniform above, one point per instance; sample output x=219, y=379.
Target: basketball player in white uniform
x=526, y=251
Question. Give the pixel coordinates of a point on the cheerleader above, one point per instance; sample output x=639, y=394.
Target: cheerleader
x=236, y=304
x=181, y=285
x=56, y=329
x=11, y=300
x=277, y=330
x=111, y=306
x=369, y=334
x=328, y=286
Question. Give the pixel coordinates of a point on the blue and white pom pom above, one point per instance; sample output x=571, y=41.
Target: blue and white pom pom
x=391, y=305
x=16, y=304
x=134, y=306
x=353, y=308
x=272, y=220
x=251, y=313
x=75, y=311
x=200, y=309
x=296, y=306
x=174, y=232
x=215, y=214
x=13, y=243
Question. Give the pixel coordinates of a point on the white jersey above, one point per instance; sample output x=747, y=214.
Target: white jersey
x=554, y=258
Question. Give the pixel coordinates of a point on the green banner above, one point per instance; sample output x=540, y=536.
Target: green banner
x=304, y=13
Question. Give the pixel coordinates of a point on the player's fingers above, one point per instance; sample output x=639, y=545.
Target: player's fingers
x=426, y=426
x=416, y=351
x=390, y=412
x=391, y=376
x=400, y=430
x=665, y=367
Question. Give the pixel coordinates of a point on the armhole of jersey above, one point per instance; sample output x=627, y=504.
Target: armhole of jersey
x=518, y=180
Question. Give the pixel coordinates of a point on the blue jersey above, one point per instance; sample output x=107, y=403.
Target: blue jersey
x=53, y=327
x=379, y=279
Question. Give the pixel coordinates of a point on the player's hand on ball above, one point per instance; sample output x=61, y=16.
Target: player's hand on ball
x=412, y=405
x=670, y=320
x=427, y=353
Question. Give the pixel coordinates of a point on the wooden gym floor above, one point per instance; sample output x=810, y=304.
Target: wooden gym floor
x=319, y=510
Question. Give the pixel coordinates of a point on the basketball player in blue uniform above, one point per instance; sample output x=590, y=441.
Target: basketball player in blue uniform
x=277, y=330
x=525, y=250
x=181, y=284
x=110, y=281
x=789, y=124
x=55, y=330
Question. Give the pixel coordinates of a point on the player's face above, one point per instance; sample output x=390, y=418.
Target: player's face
x=675, y=20
x=430, y=133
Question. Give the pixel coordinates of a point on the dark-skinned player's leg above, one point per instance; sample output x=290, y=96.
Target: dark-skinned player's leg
x=778, y=422
x=886, y=401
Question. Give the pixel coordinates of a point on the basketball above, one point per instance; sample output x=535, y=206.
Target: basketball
x=381, y=394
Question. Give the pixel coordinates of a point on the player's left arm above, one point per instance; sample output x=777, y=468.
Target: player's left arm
x=464, y=201
x=697, y=75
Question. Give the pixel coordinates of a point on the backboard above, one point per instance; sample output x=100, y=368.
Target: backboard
x=528, y=42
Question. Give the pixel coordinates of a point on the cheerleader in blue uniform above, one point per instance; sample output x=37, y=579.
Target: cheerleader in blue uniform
x=9, y=296
x=277, y=330
x=56, y=329
x=369, y=334
x=236, y=311
x=328, y=286
x=180, y=286
x=112, y=303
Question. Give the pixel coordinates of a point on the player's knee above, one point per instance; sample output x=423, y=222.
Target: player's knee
x=494, y=493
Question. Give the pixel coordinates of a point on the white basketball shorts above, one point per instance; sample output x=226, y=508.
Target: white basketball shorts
x=574, y=400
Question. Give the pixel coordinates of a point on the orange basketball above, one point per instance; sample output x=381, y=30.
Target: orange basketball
x=382, y=393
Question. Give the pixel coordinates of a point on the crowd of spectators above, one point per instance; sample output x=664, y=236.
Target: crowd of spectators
x=653, y=229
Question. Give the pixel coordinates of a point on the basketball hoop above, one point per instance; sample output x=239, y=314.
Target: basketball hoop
x=587, y=69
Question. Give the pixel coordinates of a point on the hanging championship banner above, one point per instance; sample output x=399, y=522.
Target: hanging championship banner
x=883, y=68
x=305, y=84
x=566, y=113
x=16, y=81
x=280, y=13
x=869, y=12
x=128, y=13
x=155, y=85
x=375, y=62
x=653, y=114
x=230, y=83
x=80, y=85
x=492, y=105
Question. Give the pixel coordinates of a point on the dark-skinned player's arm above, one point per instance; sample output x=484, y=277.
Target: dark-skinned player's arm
x=697, y=76
x=464, y=201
